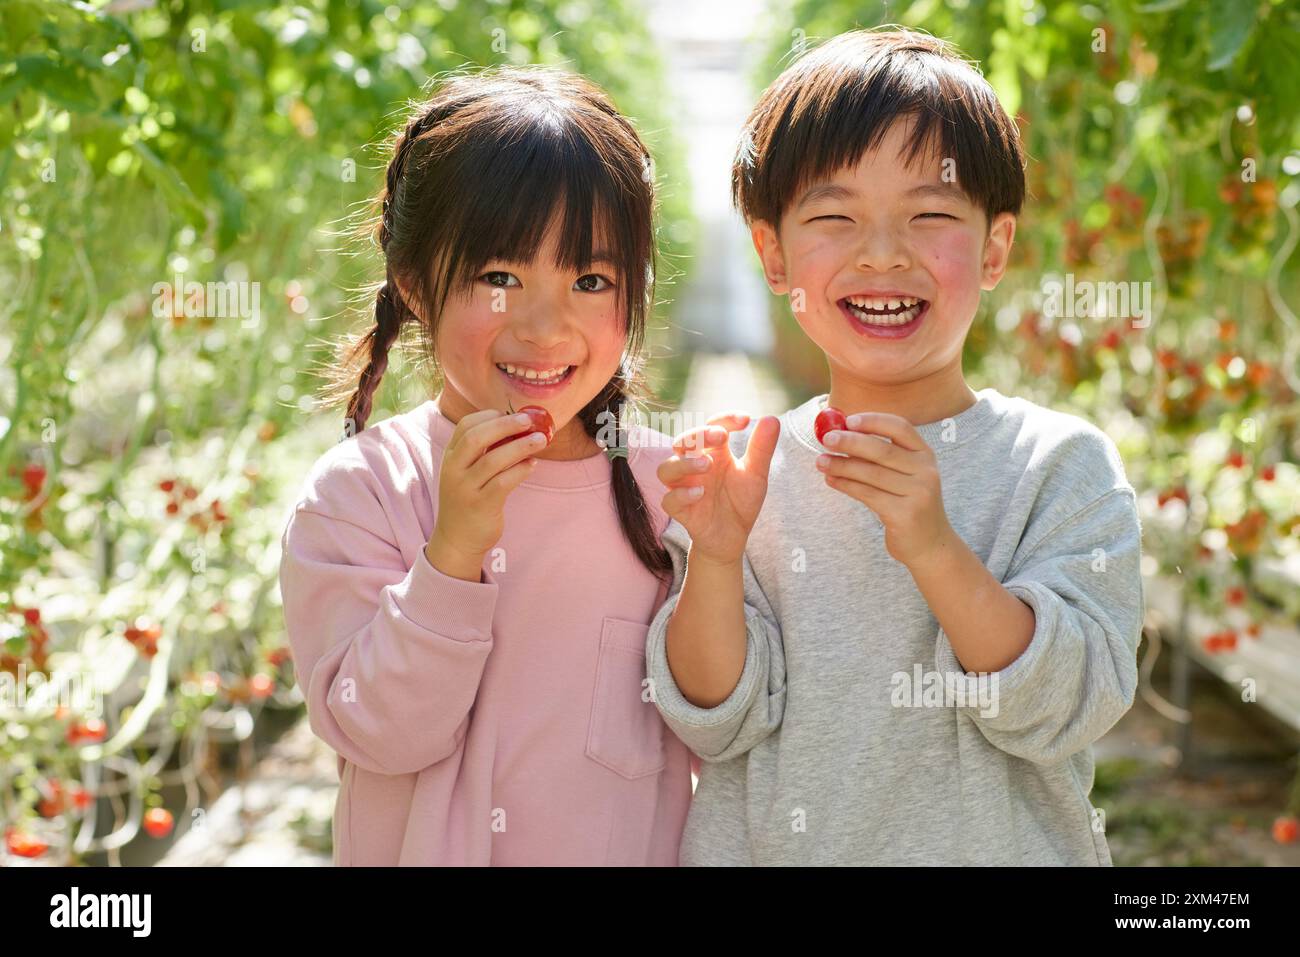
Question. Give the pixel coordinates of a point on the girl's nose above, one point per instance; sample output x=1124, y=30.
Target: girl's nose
x=543, y=323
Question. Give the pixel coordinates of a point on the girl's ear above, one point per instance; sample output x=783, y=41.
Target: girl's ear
x=405, y=291
x=768, y=247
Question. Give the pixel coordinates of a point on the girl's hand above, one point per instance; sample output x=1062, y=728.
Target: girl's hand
x=898, y=480
x=473, y=484
x=716, y=498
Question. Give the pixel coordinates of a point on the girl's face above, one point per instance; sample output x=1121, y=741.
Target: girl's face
x=534, y=333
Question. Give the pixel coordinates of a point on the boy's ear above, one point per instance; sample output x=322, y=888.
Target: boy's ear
x=768, y=247
x=997, y=250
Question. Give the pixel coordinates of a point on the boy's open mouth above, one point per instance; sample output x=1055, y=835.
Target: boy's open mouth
x=889, y=317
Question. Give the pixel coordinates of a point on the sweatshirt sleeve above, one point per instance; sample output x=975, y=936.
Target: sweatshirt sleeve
x=1078, y=675
x=388, y=657
x=755, y=707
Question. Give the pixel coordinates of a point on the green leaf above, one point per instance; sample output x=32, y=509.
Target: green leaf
x=1231, y=23
x=64, y=86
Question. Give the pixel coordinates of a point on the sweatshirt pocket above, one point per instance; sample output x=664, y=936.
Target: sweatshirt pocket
x=625, y=732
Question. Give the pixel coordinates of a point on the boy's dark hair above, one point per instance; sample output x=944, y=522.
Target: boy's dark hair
x=837, y=101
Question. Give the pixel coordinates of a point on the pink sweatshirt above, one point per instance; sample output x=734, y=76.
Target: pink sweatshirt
x=500, y=722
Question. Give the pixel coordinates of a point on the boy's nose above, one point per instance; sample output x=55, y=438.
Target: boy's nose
x=881, y=250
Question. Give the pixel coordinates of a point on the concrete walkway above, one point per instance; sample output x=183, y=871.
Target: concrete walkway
x=279, y=817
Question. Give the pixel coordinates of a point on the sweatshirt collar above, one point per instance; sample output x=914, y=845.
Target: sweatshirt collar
x=941, y=436
x=573, y=474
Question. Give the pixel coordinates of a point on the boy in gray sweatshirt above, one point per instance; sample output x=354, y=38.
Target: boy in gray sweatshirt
x=893, y=644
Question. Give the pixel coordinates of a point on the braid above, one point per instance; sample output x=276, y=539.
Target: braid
x=395, y=177
x=633, y=514
x=390, y=310
x=390, y=313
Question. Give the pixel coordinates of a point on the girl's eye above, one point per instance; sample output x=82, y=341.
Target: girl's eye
x=591, y=283
x=498, y=278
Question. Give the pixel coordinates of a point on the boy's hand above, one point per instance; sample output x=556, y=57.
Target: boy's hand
x=898, y=480
x=716, y=498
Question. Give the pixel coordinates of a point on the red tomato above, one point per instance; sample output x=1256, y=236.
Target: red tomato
x=261, y=685
x=22, y=844
x=54, y=804
x=1267, y=473
x=829, y=419
x=541, y=422
x=92, y=729
x=33, y=479
x=158, y=822
x=1285, y=829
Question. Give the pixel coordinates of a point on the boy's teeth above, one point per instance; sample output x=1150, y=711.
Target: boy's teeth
x=877, y=304
x=889, y=314
x=533, y=375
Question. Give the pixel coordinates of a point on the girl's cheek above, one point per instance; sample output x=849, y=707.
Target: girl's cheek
x=606, y=348
x=465, y=340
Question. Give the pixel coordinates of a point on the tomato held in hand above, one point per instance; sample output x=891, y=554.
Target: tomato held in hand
x=541, y=422
x=829, y=419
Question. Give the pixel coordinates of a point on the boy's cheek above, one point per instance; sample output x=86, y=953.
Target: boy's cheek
x=952, y=259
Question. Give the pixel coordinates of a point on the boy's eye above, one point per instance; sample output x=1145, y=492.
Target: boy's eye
x=499, y=278
x=828, y=216
x=592, y=283
x=939, y=215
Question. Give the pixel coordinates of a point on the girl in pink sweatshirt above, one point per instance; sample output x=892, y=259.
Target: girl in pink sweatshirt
x=468, y=602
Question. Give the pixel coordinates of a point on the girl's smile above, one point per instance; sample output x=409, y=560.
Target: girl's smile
x=535, y=380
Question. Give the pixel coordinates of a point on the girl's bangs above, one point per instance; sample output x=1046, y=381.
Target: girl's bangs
x=509, y=195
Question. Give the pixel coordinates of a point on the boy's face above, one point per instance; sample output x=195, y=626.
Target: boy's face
x=856, y=252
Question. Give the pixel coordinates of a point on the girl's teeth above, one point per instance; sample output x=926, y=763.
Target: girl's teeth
x=543, y=377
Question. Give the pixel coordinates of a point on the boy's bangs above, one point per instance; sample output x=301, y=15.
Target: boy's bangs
x=845, y=117
x=839, y=101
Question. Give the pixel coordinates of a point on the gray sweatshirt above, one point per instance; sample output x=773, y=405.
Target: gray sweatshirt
x=854, y=736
